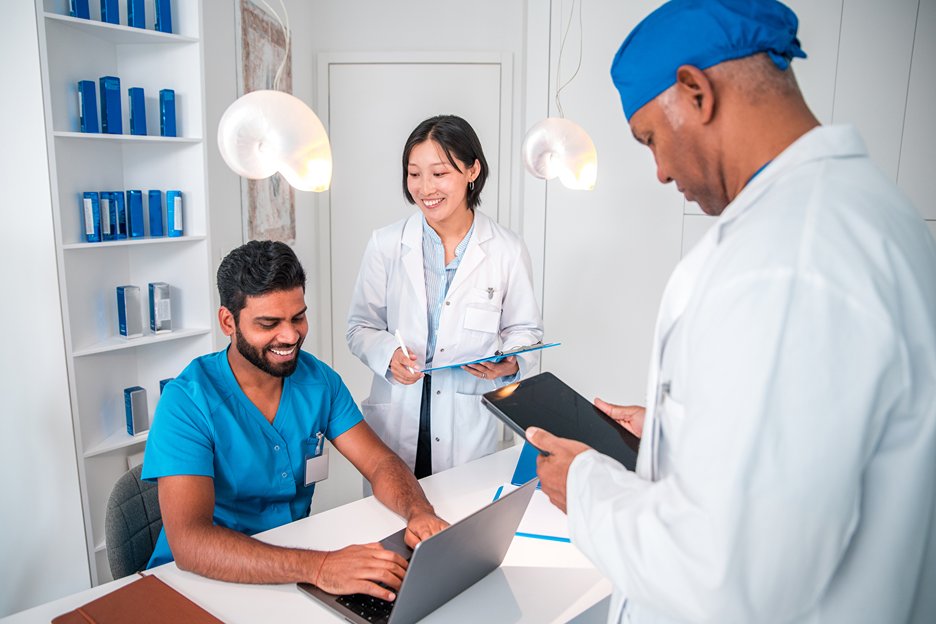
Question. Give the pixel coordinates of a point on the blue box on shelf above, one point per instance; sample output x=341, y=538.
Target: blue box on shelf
x=108, y=217
x=79, y=8
x=154, y=206
x=162, y=384
x=174, y=223
x=160, y=307
x=135, y=223
x=136, y=17
x=137, y=111
x=164, y=16
x=111, y=120
x=119, y=209
x=110, y=11
x=167, y=113
x=129, y=317
x=87, y=106
x=136, y=409
x=91, y=217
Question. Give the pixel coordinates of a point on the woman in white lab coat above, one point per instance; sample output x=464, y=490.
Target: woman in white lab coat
x=455, y=286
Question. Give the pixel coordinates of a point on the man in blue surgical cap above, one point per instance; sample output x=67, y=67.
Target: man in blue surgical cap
x=787, y=466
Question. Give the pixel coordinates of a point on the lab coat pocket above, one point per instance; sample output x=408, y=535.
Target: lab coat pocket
x=482, y=319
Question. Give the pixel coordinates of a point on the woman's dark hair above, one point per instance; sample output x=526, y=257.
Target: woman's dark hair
x=458, y=140
x=257, y=268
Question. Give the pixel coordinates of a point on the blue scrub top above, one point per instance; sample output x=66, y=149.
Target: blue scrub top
x=206, y=426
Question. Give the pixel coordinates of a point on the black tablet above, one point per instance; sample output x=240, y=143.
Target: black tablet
x=544, y=401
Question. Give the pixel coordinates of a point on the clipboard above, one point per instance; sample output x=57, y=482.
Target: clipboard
x=497, y=357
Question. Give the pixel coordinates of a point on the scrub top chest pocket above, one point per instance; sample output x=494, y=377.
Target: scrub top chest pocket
x=316, y=459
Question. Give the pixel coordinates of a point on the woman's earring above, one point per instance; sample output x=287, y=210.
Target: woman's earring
x=471, y=185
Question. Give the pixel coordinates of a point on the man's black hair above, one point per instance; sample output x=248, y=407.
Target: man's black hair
x=459, y=141
x=257, y=268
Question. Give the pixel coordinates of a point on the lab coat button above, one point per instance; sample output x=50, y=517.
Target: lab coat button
x=284, y=475
x=437, y=439
x=276, y=448
x=448, y=303
x=438, y=392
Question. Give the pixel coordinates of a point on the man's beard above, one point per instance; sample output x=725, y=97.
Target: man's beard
x=255, y=357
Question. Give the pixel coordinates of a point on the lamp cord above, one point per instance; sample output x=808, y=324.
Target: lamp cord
x=559, y=88
x=286, y=35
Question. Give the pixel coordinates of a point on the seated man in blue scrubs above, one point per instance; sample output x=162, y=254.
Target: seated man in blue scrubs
x=233, y=433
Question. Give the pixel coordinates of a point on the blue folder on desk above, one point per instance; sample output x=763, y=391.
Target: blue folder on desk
x=526, y=465
x=497, y=357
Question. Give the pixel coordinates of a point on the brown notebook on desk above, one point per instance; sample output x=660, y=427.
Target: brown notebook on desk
x=144, y=601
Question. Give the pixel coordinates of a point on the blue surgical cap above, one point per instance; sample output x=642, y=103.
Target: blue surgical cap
x=701, y=33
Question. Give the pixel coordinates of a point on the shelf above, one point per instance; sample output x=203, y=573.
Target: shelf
x=116, y=33
x=117, y=343
x=124, y=138
x=159, y=240
x=100, y=362
x=116, y=441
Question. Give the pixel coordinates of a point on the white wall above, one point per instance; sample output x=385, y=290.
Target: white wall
x=608, y=252
x=42, y=542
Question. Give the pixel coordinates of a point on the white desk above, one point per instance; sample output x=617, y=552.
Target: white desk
x=539, y=581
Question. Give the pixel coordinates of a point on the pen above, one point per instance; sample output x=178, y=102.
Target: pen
x=399, y=338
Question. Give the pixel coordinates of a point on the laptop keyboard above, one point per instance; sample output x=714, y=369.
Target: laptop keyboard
x=370, y=608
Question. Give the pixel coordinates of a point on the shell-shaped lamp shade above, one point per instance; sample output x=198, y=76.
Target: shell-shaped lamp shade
x=559, y=148
x=264, y=132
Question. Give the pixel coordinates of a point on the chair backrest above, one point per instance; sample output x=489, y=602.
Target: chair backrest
x=132, y=523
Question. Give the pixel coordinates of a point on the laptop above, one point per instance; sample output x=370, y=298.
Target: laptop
x=547, y=402
x=440, y=567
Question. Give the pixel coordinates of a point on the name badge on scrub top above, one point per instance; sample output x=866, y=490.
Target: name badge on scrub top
x=316, y=459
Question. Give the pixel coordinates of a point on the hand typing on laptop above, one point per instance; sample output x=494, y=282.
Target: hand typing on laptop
x=361, y=569
x=438, y=568
x=422, y=525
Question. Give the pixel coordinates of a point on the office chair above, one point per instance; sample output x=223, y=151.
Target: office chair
x=132, y=523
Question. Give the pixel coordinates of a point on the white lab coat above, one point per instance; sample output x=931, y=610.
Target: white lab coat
x=490, y=305
x=787, y=469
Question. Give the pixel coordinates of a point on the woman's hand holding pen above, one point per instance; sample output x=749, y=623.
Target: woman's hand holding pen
x=493, y=370
x=403, y=368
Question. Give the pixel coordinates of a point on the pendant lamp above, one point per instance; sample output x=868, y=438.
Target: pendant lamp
x=268, y=131
x=557, y=147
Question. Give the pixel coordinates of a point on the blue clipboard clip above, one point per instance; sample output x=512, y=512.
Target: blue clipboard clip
x=498, y=356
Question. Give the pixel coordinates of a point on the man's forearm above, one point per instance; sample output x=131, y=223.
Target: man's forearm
x=227, y=555
x=396, y=487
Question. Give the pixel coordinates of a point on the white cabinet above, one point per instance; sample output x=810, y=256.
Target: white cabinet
x=101, y=363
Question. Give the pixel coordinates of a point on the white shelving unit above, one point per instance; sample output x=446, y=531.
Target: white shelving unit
x=100, y=362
